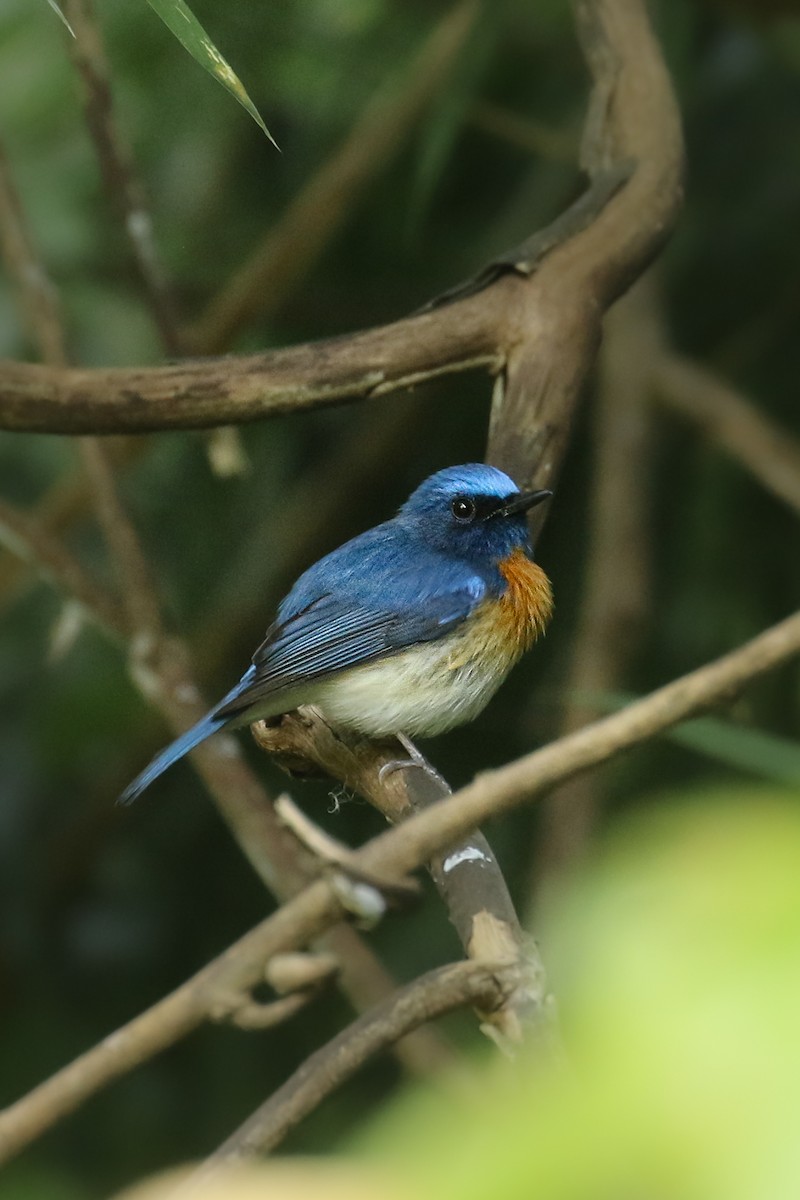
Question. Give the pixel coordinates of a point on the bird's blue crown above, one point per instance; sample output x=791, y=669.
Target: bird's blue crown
x=472, y=479
x=459, y=511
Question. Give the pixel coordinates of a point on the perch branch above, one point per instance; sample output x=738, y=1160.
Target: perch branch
x=288, y=252
x=466, y=874
x=398, y=850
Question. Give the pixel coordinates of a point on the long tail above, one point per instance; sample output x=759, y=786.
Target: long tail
x=187, y=741
x=198, y=733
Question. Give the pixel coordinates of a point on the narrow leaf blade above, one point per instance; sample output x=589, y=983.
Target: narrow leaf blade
x=181, y=21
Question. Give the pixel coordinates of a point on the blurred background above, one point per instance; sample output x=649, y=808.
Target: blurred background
x=673, y=536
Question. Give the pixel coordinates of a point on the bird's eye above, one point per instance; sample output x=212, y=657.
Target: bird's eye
x=462, y=508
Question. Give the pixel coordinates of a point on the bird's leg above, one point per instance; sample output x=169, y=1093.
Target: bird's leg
x=415, y=759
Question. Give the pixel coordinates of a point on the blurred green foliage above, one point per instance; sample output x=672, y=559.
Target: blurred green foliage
x=677, y=969
x=102, y=911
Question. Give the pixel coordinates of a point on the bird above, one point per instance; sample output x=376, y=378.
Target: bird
x=406, y=630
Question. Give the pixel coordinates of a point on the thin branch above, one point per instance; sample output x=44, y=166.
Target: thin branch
x=288, y=252
x=428, y=997
x=37, y=296
x=136, y=584
x=26, y=539
x=60, y=507
x=399, y=850
x=534, y=137
x=128, y=196
x=38, y=301
x=116, y=163
x=770, y=453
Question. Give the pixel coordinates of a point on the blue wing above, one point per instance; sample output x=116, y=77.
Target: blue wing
x=333, y=635
x=372, y=597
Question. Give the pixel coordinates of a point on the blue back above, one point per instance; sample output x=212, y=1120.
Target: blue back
x=409, y=580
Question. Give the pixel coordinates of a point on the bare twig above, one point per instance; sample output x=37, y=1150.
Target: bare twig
x=26, y=539
x=290, y=249
x=527, y=134
x=116, y=163
x=400, y=849
x=430, y=996
x=770, y=453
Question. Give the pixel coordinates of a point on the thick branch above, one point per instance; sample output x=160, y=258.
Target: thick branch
x=199, y=393
x=632, y=119
x=611, y=618
x=545, y=323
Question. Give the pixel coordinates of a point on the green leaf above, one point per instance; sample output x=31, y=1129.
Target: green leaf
x=56, y=9
x=752, y=750
x=179, y=18
x=763, y=754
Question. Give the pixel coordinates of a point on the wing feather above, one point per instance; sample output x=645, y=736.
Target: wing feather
x=332, y=634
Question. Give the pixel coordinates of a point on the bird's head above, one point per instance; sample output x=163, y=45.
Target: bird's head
x=475, y=511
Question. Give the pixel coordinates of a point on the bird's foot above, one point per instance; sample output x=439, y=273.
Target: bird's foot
x=415, y=759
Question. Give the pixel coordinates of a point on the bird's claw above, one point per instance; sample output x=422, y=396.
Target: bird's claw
x=415, y=759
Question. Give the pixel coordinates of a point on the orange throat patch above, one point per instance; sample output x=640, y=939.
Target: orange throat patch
x=528, y=603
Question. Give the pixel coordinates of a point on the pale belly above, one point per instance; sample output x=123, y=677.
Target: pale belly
x=420, y=691
x=433, y=686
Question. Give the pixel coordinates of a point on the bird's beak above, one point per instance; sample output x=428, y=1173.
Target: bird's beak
x=522, y=502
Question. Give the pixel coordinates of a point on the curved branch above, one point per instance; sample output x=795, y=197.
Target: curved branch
x=633, y=119
x=545, y=325
x=200, y=393
x=432, y=995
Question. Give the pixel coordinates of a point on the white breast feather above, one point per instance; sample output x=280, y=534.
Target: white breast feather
x=424, y=690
